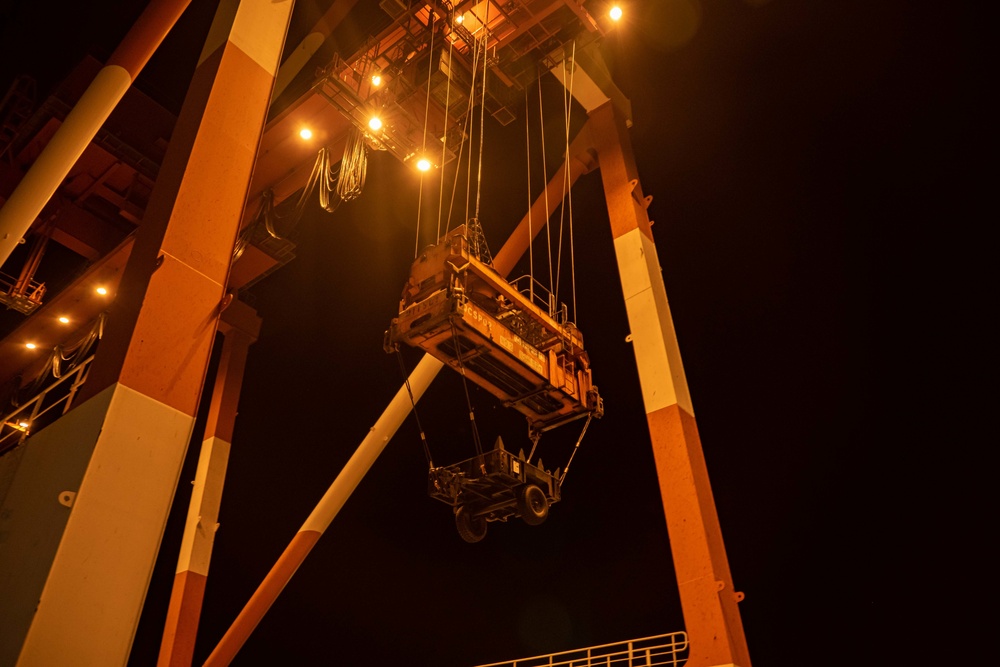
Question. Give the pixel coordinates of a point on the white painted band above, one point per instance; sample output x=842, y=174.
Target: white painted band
x=585, y=89
x=373, y=444
x=203, y=511
x=95, y=590
x=255, y=27
x=259, y=31
x=657, y=355
x=60, y=154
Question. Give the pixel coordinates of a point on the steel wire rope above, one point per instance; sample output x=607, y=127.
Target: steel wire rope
x=465, y=130
x=465, y=385
x=416, y=415
x=576, y=447
x=545, y=188
x=423, y=145
x=444, y=139
x=567, y=196
x=531, y=238
x=482, y=109
x=471, y=124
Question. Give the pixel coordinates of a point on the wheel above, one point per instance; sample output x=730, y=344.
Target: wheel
x=472, y=529
x=532, y=504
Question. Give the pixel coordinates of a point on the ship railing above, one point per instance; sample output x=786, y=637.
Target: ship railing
x=656, y=651
x=36, y=412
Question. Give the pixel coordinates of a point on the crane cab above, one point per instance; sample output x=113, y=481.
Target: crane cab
x=458, y=309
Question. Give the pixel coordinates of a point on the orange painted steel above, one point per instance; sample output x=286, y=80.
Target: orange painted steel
x=708, y=600
x=262, y=599
x=241, y=326
x=189, y=224
x=83, y=122
x=146, y=34
x=181, y=628
x=148, y=375
x=461, y=311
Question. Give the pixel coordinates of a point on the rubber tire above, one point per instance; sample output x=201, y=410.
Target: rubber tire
x=472, y=529
x=532, y=504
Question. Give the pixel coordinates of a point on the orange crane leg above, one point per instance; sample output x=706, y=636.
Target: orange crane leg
x=708, y=601
x=136, y=412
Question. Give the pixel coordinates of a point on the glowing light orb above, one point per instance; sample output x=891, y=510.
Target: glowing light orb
x=30, y=346
x=376, y=80
x=306, y=133
x=64, y=320
x=423, y=164
x=615, y=13
x=375, y=123
x=102, y=291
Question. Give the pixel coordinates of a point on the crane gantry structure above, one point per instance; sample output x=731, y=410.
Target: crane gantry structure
x=176, y=284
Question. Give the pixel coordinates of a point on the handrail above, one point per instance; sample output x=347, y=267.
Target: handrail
x=14, y=419
x=653, y=651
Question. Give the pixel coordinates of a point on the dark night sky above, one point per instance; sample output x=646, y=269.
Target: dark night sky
x=803, y=158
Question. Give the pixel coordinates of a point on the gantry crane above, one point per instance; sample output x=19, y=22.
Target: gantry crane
x=135, y=413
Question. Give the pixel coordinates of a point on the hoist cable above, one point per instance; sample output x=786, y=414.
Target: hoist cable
x=444, y=139
x=423, y=145
x=562, y=200
x=531, y=238
x=545, y=187
x=567, y=192
x=458, y=173
x=416, y=415
x=482, y=108
x=465, y=385
x=466, y=125
x=471, y=123
x=576, y=447
x=572, y=248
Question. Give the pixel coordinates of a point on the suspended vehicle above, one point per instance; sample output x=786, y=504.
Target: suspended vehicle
x=458, y=309
x=495, y=486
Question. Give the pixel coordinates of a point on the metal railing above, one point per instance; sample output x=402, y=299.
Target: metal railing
x=30, y=416
x=22, y=298
x=656, y=651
